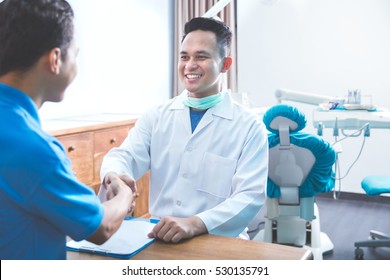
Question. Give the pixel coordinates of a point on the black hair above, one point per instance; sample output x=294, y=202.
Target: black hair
x=219, y=28
x=30, y=28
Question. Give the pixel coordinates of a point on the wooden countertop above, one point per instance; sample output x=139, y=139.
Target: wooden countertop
x=211, y=247
x=84, y=123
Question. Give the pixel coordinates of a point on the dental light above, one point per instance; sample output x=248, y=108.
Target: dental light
x=302, y=97
x=214, y=10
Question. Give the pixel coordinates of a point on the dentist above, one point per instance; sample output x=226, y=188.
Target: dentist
x=207, y=155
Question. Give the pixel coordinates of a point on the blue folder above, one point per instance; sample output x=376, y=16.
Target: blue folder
x=130, y=239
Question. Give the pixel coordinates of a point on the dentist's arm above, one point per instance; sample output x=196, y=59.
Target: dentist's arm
x=172, y=229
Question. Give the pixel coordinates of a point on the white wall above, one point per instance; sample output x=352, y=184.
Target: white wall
x=125, y=60
x=318, y=46
x=324, y=47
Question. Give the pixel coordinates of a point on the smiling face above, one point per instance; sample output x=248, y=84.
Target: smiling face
x=200, y=65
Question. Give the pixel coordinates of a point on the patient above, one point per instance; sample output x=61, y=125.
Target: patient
x=41, y=201
x=207, y=155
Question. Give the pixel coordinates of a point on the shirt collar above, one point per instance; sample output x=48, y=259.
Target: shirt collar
x=19, y=99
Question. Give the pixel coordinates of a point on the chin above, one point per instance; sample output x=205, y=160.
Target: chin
x=192, y=89
x=57, y=98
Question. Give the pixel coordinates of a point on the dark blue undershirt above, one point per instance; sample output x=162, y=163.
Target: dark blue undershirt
x=195, y=117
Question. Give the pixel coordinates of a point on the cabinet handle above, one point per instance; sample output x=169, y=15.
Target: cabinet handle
x=71, y=148
x=112, y=140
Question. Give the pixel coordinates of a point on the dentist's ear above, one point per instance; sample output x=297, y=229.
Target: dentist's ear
x=55, y=60
x=226, y=64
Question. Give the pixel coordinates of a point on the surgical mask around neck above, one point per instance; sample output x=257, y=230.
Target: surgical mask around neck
x=204, y=103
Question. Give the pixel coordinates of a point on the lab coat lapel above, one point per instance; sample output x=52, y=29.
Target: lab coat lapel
x=182, y=112
x=184, y=116
x=222, y=110
x=204, y=122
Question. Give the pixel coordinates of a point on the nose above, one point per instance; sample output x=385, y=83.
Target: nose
x=191, y=64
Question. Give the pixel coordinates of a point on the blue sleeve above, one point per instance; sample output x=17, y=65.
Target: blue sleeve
x=55, y=194
x=68, y=204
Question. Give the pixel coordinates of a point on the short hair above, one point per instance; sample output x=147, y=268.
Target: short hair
x=219, y=28
x=29, y=29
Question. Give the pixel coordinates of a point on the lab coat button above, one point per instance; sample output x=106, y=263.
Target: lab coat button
x=189, y=149
x=185, y=175
x=178, y=203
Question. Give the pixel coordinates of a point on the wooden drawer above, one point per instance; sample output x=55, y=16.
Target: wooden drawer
x=104, y=141
x=142, y=201
x=79, y=149
x=86, y=147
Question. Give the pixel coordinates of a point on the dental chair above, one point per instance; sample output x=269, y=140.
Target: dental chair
x=300, y=166
x=374, y=185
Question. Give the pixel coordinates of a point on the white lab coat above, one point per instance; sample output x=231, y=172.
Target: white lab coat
x=218, y=172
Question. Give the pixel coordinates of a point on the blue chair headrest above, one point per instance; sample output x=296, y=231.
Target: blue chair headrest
x=297, y=118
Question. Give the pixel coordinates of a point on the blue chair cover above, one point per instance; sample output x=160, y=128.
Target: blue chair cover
x=287, y=111
x=376, y=185
x=321, y=176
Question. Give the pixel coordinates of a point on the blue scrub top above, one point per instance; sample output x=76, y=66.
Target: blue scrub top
x=41, y=201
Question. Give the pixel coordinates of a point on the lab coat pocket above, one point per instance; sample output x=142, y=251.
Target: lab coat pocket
x=217, y=175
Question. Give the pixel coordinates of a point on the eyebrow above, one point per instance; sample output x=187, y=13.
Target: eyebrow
x=197, y=52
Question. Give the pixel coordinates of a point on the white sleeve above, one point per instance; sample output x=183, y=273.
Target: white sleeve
x=132, y=156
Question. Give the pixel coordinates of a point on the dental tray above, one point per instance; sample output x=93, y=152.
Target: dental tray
x=368, y=107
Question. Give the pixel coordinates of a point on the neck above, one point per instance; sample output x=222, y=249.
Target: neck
x=197, y=110
x=214, y=89
x=23, y=82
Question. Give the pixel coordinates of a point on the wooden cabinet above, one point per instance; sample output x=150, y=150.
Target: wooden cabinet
x=142, y=200
x=86, y=146
x=79, y=150
x=105, y=140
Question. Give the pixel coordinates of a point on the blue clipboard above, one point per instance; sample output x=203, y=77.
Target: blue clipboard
x=130, y=239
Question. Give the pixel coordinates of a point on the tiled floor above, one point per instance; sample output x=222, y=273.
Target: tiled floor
x=350, y=218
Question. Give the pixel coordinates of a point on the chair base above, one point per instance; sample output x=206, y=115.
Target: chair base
x=375, y=239
x=293, y=230
x=326, y=245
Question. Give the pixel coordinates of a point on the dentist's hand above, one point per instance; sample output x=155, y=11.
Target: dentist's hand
x=172, y=229
x=112, y=182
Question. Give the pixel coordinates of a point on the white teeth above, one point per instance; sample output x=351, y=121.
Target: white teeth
x=193, y=76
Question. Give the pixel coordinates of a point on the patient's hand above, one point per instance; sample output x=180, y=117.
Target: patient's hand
x=172, y=229
x=113, y=182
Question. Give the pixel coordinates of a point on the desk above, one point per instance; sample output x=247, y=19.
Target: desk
x=210, y=247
